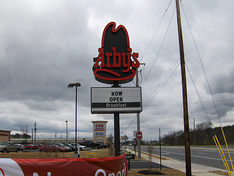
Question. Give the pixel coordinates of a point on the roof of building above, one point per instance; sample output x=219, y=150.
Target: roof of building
x=4, y=131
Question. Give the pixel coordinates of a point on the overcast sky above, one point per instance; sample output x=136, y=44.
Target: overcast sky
x=47, y=44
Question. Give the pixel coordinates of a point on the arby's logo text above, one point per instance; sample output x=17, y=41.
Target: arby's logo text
x=116, y=63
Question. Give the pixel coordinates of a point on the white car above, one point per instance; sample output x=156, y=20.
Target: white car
x=82, y=147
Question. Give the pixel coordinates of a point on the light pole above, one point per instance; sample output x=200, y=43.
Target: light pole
x=76, y=85
x=66, y=130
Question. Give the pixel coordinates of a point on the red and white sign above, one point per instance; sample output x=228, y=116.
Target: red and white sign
x=65, y=166
x=139, y=135
x=99, y=127
x=115, y=62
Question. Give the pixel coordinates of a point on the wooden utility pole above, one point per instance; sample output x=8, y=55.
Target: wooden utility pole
x=184, y=89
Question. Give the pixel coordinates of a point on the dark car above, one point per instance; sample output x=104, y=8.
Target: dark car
x=91, y=144
x=51, y=148
x=102, y=146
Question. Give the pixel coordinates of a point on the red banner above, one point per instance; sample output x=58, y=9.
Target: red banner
x=112, y=166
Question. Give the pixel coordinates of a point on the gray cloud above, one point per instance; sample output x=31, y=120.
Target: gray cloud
x=45, y=45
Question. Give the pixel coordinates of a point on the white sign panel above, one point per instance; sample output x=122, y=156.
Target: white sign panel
x=116, y=99
x=99, y=133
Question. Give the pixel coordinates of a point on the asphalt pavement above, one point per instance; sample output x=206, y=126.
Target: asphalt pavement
x=208, y=156
x=197, y=169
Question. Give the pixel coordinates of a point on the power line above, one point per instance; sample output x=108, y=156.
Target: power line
x=155, y=31
x=152, y=65
x=162, y=83
x=199, y=56
x=147, y=49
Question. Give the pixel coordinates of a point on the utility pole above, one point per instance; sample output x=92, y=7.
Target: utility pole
x=32, y=135
x=194, y=131
x=138, y=120
x=35, y=129
x=184, y=89
x=66, y=130
x=138, y=116
x=160, y=149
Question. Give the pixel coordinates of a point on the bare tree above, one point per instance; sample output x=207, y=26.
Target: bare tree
x=110, y=141
x=24, y=130
x=150, y=150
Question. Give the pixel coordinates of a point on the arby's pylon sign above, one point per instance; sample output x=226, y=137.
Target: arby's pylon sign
x=116, y=63
x=111, y=166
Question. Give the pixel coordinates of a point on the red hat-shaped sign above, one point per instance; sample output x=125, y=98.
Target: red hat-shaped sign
x=115, y=62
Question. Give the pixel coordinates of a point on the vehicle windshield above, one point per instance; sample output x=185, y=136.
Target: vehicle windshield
x=68, y=145
x=3, y=143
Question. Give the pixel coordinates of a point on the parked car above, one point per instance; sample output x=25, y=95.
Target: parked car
x=82, y=147
x=37, y=144
x=30, y=146
x=51, y=148
x=69, y=145
x=102, y=146
x=91, y=144
x=64, y=146
x=9, y=147
x=21, y=146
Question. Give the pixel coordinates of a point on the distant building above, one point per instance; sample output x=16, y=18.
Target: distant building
x=4, y=135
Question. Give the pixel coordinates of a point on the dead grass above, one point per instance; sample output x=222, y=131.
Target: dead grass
x=100, y=153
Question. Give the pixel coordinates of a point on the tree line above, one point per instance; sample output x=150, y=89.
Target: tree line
x=202, y=135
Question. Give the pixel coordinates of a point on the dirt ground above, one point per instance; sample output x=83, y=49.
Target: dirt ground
x=100, y=153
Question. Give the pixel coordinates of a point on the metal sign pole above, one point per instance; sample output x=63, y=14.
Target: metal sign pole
x=117, y=133
x=138, y=120
x=116, y=129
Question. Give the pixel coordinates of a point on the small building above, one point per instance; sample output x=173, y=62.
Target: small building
x=4, y=135
x=99, y=131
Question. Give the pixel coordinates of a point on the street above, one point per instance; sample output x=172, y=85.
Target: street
x=208, y=156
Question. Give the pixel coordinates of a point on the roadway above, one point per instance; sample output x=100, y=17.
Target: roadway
x=208, y=156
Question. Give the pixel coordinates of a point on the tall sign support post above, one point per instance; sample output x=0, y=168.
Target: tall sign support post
x=184, y=88
x=116, y=129
x=116, y=64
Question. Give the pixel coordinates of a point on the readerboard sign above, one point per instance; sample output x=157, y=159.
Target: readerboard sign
x=116, y=99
